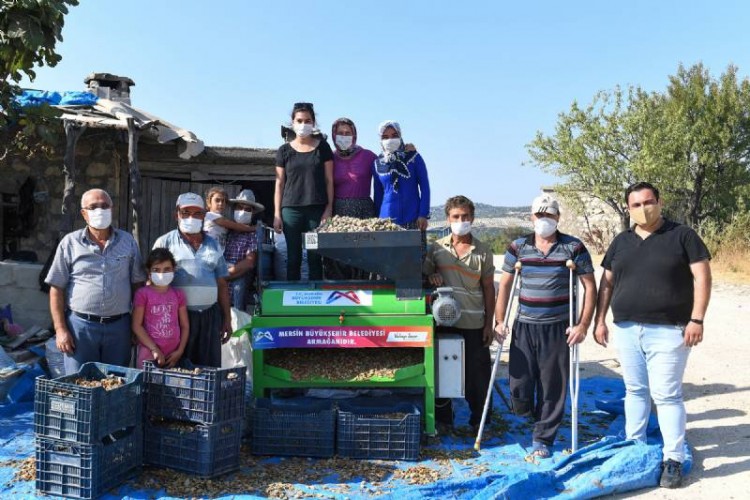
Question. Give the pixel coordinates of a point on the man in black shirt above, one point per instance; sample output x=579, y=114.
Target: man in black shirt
x=658, y=278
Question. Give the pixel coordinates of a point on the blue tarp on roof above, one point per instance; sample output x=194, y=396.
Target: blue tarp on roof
x=69, y=98
x=604, y=465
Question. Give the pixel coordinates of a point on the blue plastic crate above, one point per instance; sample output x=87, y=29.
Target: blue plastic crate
x=210, y=396
x=374, y=429
x=294, y=427
x=79, y=470
x=203, y=450
x=67, y=411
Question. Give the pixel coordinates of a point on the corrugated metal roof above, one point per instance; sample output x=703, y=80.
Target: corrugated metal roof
x=107, y=113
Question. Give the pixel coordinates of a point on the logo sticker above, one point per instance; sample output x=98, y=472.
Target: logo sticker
x=334, y=298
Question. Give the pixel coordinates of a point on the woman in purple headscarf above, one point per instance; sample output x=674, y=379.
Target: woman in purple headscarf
x=352, y=172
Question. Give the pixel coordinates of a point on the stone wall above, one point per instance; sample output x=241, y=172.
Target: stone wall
x=19, y=286
x=99, y=155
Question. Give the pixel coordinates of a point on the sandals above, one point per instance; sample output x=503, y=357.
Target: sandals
x=540, y=450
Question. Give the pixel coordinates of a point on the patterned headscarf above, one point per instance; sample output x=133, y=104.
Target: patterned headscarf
x=345, y=121
x=394, y=163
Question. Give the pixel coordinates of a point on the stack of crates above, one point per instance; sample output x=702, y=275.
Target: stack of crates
x=88, y=439
x=194, y=417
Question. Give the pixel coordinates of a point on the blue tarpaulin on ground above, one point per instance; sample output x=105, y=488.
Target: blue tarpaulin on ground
x=604, y=464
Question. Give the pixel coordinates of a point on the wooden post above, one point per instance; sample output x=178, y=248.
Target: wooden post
x=73, y=132
x=135, y=180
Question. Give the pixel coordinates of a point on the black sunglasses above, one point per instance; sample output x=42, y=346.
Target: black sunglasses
x=303, y=105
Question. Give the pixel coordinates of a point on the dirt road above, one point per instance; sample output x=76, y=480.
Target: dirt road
x=717, y=397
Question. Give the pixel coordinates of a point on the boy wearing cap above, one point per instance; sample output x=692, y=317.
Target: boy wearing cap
x=241, y=250
x=539, y=348
x=201, y=275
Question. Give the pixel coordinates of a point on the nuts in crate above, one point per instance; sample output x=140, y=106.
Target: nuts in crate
x=84, y=408
x=195, y=393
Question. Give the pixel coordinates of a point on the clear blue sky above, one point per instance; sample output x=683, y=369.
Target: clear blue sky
x=470, y=82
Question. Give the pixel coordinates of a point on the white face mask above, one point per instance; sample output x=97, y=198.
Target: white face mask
x=344, y=142
x=391, y=145
x=100, y=218
x=303, y=129
x=545, y=226
x=243, y=217
x=161, y=279
x=461, y=228
x=190, y=225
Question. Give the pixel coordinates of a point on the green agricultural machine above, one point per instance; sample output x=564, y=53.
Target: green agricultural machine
x=379, y=315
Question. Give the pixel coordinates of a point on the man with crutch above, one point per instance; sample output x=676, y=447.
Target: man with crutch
x=542, y=333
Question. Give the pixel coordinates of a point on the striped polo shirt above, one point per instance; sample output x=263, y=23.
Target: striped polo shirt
x=545, y=280
x=464, y=275
x=197, y=270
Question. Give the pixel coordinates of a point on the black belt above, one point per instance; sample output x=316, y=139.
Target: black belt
x=99, y=319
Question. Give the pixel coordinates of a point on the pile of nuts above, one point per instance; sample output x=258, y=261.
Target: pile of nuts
x=419, y=474
x=25, y=469
x=194, y=371
x=345, y=224
x=174, y=425
x=108, y=383
x=273, y=479
x=355, y=365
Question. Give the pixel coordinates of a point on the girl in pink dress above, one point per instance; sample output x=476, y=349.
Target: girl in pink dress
x=160, y=318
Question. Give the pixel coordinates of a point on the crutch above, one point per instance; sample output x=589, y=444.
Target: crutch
x=574, y=375
x=506, y=322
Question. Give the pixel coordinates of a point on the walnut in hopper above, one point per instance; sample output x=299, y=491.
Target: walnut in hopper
x=345, y=224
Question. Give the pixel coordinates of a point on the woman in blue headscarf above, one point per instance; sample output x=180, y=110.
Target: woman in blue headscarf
x=401, y=187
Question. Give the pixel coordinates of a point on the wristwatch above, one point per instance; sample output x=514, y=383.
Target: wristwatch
x=696, y=321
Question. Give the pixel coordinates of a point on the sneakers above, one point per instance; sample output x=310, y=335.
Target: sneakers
x=671, y=474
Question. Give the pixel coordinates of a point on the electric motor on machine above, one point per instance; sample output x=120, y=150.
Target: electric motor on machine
x=445, y=308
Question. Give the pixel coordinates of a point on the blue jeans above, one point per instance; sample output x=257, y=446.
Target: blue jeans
x=238, y=292
x=104, y=343
x=653, y=359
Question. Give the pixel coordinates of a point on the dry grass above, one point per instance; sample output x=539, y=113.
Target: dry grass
x=732, y=266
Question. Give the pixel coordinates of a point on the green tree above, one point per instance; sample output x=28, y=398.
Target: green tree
x=596, y=150
x=29, y=32
x=692, y=141
x=700, y=139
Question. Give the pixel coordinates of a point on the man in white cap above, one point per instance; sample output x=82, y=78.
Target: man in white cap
x=202, y=275
x=241, y=250
x=539, y=347
x=91, y=280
